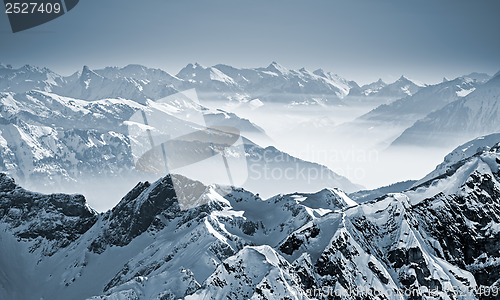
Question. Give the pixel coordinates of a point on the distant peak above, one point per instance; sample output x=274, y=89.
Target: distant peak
x=496, y=75
x=445, y=79
x=274, y=66
x=29, y=68
x=197, y=65
x=87, y=72
x=135, y=66
x=405, y=80
x=495, y=80
x=320, y=72
x=7, y=66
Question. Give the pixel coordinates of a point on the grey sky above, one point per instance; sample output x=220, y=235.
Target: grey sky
x=358, y=39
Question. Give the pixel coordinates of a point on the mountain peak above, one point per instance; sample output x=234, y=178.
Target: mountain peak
x=197, y=65
x=320, y=70
x=494, y=81
x=190, y=71
x=136, y=67
x=480, y=77
x=274, y=66
x=496, y=75
x=328, y=198
x=192, y=66
x=87, y=73
x=403, y=78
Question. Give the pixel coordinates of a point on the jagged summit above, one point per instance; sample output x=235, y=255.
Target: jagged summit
x=319, y=72
x=403, y=78
x=87, y=73
x=275, y=67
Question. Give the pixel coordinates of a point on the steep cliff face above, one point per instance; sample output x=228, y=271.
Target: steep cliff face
x=47, y=222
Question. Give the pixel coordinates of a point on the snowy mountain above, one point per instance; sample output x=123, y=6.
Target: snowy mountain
x=411, y=108
x=273, y=83
x=461, y=153
x=52, y=142
x=368, y=89
x=388, y=121
x=221, y=82
x=147, y=233
x=28, y=78
x=400, y=88
x=370, y=195
x=439, y=236
x=132, y=82
x=207, y=79
x=271, y=170
x=473, y=115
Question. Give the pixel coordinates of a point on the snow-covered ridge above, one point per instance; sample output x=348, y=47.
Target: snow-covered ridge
x=439, y=235
x=462, y=153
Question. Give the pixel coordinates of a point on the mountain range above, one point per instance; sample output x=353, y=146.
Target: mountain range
x=388, y=121
x=439, y=237
x=475, y=114
x=53, y=142
x=273, y=83
x=274, y=236
x=400, y=88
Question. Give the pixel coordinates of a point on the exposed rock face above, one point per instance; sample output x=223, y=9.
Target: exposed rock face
x=438, y=237
x=49, y=222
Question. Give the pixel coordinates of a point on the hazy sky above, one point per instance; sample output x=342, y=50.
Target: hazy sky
x=358, y=39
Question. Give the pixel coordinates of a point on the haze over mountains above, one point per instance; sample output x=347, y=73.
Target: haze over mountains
x=44, y=115
x=50, y=142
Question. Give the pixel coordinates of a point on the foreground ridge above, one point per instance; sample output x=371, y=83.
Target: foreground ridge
x=437, y=237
